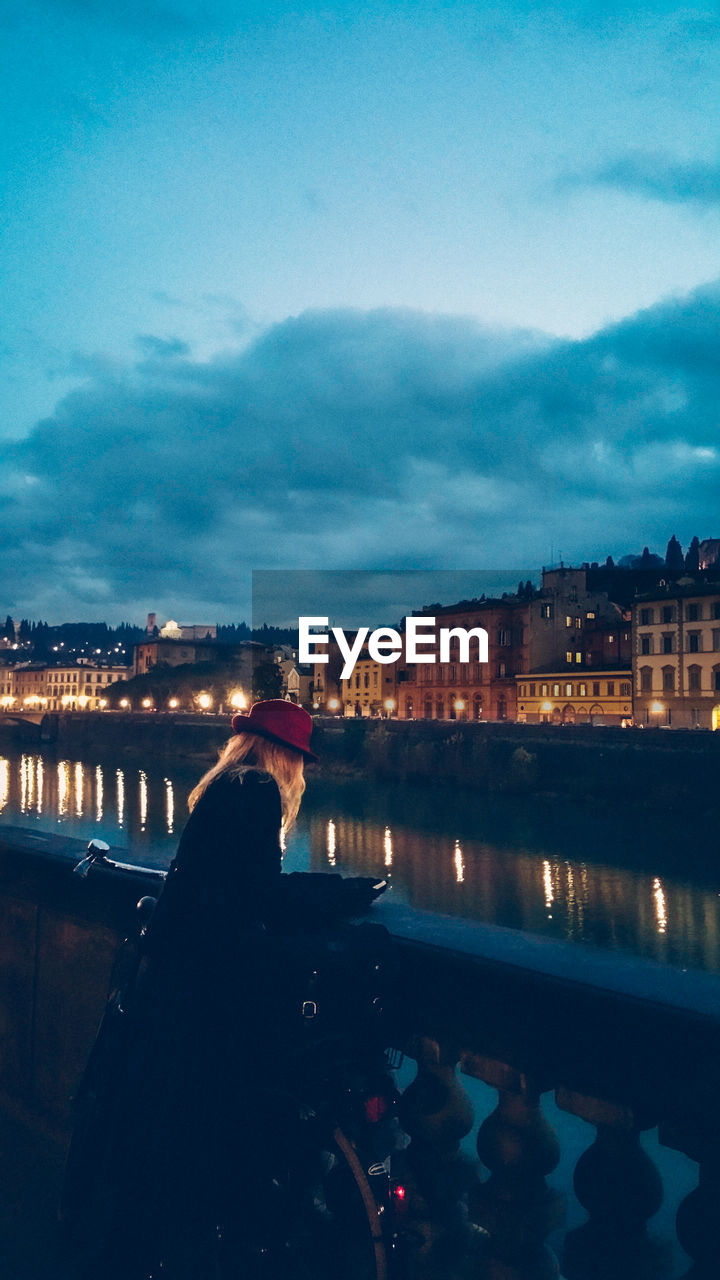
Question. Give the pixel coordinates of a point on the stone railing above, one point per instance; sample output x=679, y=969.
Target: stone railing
x=555, y=1033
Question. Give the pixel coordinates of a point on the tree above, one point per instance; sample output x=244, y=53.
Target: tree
x=692, y=559
x=674, y=559
x=267, y=680
x=9, y=630
x=609, y=563
x=645, y=559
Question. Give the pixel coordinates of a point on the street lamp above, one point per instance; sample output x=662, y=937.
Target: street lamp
x=173, y=704
x=389, y=705
x=124, y=703
x=147, y=703
x=238, y=700
x=204, y=701
x=333, y=705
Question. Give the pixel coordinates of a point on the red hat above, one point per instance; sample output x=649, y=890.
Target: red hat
x=280, y=721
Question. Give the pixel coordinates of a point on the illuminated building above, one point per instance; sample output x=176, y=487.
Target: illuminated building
x=561, y=697
x=371, y=690
x=676, y=656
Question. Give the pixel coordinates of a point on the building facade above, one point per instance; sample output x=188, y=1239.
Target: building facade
x=470, y=690
x=676, y=658
x=371, y=690
x=596, y=697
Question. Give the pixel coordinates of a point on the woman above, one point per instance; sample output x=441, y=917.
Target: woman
x=193, y=1138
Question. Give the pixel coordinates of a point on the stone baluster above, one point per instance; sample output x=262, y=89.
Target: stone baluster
x=699, y=1213
x=617, y=1183
x=437, y=1113
x=515, y=1206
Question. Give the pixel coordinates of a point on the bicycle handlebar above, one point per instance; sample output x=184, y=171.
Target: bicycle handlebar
x=97, y=852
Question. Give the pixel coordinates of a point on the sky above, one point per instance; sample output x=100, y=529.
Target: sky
x=352, y=286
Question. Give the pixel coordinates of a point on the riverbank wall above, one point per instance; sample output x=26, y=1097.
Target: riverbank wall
x=652, y=767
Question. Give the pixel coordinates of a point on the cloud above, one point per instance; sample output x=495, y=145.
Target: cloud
x=659, y=176
x=340, y=439
x=161, y=348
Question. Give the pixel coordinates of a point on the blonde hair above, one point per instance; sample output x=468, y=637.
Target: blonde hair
x=245, y=750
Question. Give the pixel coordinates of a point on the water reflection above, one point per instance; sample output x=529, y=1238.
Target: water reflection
x=120, y=796
x=608, y=906
x=99, y=787
x=503, y=865
x=169, y=806
x=78, y=794
x=331, y=842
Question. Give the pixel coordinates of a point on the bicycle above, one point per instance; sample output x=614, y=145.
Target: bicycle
x=331, y=1203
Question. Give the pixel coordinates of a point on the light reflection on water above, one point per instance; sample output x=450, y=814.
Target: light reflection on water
x=454, y=862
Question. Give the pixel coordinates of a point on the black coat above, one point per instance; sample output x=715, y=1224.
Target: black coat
x=186, y=1115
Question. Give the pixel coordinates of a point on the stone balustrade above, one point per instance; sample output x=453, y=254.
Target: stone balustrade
x=551, y=1030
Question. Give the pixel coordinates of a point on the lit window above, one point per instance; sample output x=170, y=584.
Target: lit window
x=568, y=656
x=578, y=658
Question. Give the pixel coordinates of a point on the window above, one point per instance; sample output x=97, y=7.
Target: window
x=694, y=679
x=693, y=642
x=667, y=643
x=716, y=679
x=578, y=622
x=568, y=656
x=596, y=689
x=477, y=673
x=646, y=679
x=546, y=611
x=611, y=688
x=692, y=612
x=646, y=617
x=568, y=620
x=668, y=613
x=578, y=658
x=503, y=638
x=502, y=669
x=582, y=691
x=532, y=690
x=625, y=689
x=668, y=679
x=544, y=690
x=453, y=673
x=611, y=639
x=568, y=691
x=556, y=691
x=716, y=609
x=646, y=644
x=716, y=641
x=589, y=616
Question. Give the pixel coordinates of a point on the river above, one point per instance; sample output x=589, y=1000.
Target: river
x=640, y=883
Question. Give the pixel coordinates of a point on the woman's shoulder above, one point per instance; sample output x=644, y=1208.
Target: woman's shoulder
x=247, y=786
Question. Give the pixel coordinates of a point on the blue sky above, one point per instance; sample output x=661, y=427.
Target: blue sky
x=350, y=286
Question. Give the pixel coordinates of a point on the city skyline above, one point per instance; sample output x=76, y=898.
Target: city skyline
x=383, y=287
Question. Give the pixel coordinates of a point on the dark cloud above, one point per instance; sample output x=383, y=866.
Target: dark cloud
x=161, y=348
x=387, y=439
x=659, y=176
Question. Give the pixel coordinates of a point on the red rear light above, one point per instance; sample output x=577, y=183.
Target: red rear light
x=399, y=1192
x=375, y=1108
